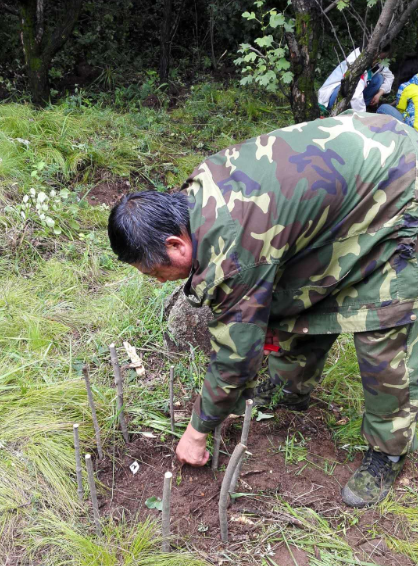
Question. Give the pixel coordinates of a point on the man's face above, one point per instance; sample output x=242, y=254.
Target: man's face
x=163, y=273
x=180, y=251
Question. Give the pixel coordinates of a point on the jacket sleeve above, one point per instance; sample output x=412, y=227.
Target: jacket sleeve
x=388, y=79
x=357, y=102
x=403, y=100
x=241, y=306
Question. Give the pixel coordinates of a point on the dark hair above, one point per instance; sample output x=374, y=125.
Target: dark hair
x=141, y=222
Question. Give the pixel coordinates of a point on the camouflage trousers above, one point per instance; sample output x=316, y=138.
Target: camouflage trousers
x=388, y=361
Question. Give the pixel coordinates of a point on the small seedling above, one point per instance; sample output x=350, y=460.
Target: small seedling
x=154, y=503
x=216, y=447
x=244, y=439
x=93, y=495
x=179, y=478
x=226, y=483
x=168, y=476
x=93, y=412
x=172, y=398
x=78, y=469
x=119, y=388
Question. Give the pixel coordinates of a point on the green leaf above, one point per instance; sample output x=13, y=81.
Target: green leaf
x=246, y=80
x=282, y=64
x=249, y=15
x=266, y=41
x=250, y=57
x=277, y=52
x=277, y=20
x=261, y=416
x=74, y=224
x=287, y=77
x=154, y=503
x=344, y=3
x=289, y=27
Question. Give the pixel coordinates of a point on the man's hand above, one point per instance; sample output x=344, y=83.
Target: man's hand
x=192, y=447
x=375, y=100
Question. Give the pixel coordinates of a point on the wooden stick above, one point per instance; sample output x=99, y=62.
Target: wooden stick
x=216, y=446
x=93, y=412
x=244, y=439
x=93, y=494
x=78, y=468
x=172, y=398
x=166, y=512
x=119, y=389
x=224, y=496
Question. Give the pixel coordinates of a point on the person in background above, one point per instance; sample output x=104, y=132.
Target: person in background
x=406, y=104
x=373, y=84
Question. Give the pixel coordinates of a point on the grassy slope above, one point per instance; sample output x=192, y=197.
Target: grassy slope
x=64, y=298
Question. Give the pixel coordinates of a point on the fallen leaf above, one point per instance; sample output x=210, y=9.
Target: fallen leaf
x=135, y=359
x=242, y=519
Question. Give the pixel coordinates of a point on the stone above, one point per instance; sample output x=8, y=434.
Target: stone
x=187, y=325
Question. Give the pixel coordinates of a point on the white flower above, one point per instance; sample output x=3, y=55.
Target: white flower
x=50, y=221
x=41, y=197
x=42, y=216
x=44, y=207
x=32, y=191
x=25, y=198
x=23, y=215
x=52, y=193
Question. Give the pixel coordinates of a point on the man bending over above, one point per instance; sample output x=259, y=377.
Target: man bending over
x=294, y=237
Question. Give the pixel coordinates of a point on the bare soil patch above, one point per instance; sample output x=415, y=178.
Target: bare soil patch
x=108, y=192
x=314, y=481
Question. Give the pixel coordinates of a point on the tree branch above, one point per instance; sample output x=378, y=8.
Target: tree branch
x=9, y=9
x=324, y=12
x=394, y=29
x=39, y=21
x=63, y=28
x=330, y=7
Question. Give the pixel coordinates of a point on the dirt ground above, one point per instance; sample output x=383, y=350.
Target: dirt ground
x=314, y=482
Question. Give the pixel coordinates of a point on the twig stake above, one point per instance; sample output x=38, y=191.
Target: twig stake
x=216, y=446
x=166, y=512
x=172, y=398
x=93, y=495
x=93, y=412
x=78, y=468
x=224, y=497
x=119, y=388
x=244, y=439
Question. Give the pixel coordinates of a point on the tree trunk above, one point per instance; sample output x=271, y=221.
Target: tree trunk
x=166, y=41
x=303, y=47
x=41, y=42
x=37, y=65
x=212, y=36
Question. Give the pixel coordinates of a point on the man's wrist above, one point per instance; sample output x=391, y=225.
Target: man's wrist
x=195, y=434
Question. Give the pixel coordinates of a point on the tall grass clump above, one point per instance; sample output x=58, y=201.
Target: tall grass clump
x=120, y=545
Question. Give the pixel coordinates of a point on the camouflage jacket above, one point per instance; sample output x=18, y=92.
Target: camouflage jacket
x=308, y=229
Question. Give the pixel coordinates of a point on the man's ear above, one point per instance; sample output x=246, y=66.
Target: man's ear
x=177, y=244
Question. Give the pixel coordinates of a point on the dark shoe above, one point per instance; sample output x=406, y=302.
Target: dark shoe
x=267, y=394
x=372, y=481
